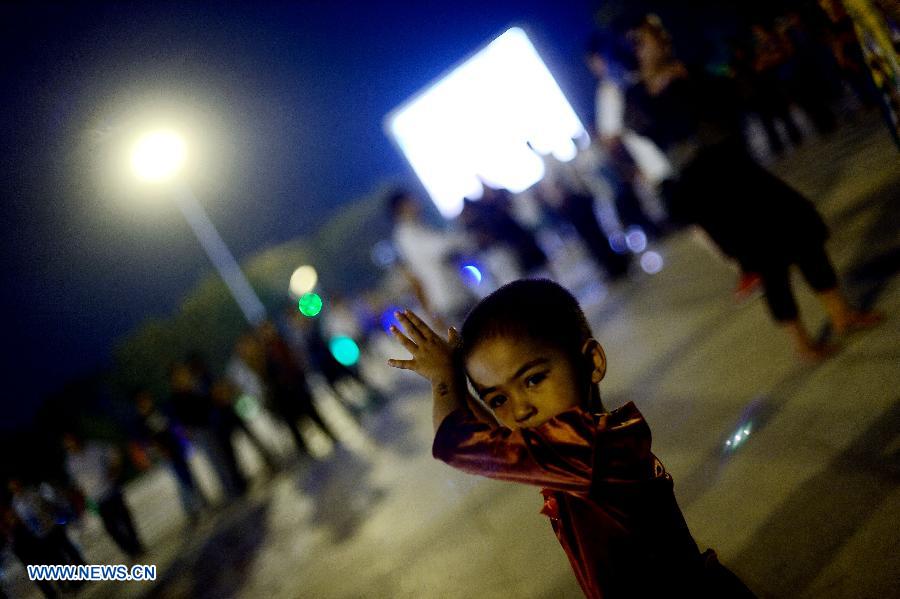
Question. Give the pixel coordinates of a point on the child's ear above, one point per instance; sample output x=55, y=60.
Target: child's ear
x=596, y=359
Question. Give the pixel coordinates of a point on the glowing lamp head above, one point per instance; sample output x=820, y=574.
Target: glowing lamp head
x=310, y=305
x=158, y=156
x=303, y=280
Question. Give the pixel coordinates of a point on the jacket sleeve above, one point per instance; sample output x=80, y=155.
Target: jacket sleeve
x=556, y=455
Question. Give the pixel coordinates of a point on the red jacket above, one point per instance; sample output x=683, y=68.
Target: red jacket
x=609, y=499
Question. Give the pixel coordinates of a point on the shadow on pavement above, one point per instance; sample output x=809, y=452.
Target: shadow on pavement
x=341, y=488
x=877, y=258
x=803, y=535
x=391, y=429
x=218, y=567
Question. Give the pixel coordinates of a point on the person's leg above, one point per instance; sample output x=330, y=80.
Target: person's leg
x=773, y=139
x=615, y=265
x=790, y=125
x=127, y=523
x=238, y=480
x=631, y=213
x=64, y=546
x=376, y=399
x=110, y=515
x=212, y=446
x=819, y=273
x=191, y=498
x=783, y=308
x=32, y=550
x=310, y=410
x=782, y=111
x=118, y=523
x=261, y=448
x=628, y=207
x=813, y=99
x=47, y=589
x=289, y=417
x=68, y=553
x=332, y=376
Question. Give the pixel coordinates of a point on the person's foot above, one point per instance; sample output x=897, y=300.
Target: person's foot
x=858, y=321
x=748, y=287
x=816, y=352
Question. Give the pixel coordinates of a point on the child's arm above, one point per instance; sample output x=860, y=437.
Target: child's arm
x=467, y=436
x=433, y=358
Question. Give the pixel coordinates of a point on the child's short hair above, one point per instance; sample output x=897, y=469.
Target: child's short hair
x=534, y=308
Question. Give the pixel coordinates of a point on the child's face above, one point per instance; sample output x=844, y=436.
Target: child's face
x=526, y=383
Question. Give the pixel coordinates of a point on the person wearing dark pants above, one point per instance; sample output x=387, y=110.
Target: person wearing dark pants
x=619, y=174
x=118, y=523
x=752, y=215
x=95, y=468
x=287, y=386
x=816, y=269
x=158, y=428
x=768, y=227
x=578, y=209
x=38, y=531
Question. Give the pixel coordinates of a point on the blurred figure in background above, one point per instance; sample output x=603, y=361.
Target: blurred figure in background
x=226, y=421
x=26, y=546
x=159, y=429
x=96, y=469
x=317, y=350
x=576, y=206
x=429, y=254
x=811, y=74
x=749, y=213
x=492, y=223
x=623, y=155
x=190, y=385
x=42, y=535
x=840, y=35
x=768, y=62
x=287, y=387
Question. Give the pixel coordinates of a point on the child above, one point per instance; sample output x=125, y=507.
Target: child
x=528, y=352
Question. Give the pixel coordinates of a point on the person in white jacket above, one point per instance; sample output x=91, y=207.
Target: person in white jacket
x=428, y=255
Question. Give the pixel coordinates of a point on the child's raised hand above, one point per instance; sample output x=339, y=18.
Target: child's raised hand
x=432, y=354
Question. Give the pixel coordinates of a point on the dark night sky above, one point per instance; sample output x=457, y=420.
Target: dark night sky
x=290, y=99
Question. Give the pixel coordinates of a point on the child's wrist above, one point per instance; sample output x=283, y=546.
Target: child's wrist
x=444, y=384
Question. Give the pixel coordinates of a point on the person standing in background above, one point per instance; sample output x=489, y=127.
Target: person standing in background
x=428, y=254
x=96, y=468
x=624, y=155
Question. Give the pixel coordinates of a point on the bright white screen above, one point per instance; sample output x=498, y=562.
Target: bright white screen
x=475, y=122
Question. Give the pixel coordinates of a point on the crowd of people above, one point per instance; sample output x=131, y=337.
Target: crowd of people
x=668, y=147
x=270, y=370
x=678, y=137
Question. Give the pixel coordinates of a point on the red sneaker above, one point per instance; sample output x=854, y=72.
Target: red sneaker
x=749, y=286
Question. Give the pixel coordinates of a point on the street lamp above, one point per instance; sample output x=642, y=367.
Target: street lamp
x=158, y=157
x=303, y=280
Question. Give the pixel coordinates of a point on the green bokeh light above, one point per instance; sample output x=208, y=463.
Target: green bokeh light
x=344, y=350
x=310, y=304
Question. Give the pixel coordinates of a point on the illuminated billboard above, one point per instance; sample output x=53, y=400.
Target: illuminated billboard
x=477, y=123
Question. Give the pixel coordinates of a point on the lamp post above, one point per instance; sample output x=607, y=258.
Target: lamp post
x=157, y=158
